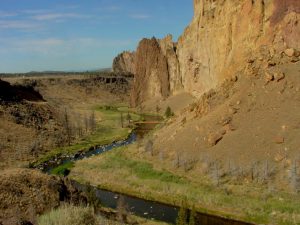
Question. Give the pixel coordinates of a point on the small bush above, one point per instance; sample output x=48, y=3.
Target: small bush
x=63, y=170
x=69, y=215
x=169, y=112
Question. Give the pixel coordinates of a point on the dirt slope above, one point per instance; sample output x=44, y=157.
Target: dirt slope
x=244, y=122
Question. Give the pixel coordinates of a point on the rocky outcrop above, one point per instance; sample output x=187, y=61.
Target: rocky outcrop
x=124, y=63
x=17, y=93
x=168, y=48
x=224, y=40
x=151, y=75
x=225, y=35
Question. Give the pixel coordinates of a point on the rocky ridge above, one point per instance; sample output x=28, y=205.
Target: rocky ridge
x=124, y=63
x=224, y=40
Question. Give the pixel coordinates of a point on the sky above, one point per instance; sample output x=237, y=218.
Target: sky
x=76, y=35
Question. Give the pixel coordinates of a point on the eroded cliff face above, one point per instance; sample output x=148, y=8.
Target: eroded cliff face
x=168, y=48
x=124, y=63
x=225, y=35
x=151, y=73
x=226, y=38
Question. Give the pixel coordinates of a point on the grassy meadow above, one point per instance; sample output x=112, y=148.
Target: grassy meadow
x=130, y=170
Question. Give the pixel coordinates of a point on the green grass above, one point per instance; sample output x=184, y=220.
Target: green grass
x=114, y=112
x=69, y=215
x=128, y=170
x=107, y=131
x=142, y=170
x=63, y=169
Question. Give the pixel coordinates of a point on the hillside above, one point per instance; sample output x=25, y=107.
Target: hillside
x=236, y=130
x=34, y=111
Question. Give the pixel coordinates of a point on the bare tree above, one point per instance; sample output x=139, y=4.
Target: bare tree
x=149, y=147
x=177, y=160
x=128, y=117
x=216, y=173
x=253, y=170
x=122, y=120
x=86, y=124
x=157, y=109
x=294, y=177
x=67, y=126
x=122, y=210
x=92, y=121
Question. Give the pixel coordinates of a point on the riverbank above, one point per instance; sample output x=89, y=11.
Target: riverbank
x=147, y=178
x=113, y=124
x=68, y=214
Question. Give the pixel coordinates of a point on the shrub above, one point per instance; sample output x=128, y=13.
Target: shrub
x=69, y=215
x=182, y=216
x=169, y=112
x=63, y=170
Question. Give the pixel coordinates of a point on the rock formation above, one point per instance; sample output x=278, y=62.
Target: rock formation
x=124, y=63
x=151, y=75
x=168, y=48
x=224, y=39
x=224, y=35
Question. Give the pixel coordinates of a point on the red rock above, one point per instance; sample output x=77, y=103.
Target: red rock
x=279, y=140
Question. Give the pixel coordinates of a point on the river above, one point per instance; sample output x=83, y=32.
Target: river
x=137, y=206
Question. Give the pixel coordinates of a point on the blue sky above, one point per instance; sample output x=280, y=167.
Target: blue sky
x=37, y=35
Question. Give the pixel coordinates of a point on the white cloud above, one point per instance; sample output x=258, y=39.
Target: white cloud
x=7, y=14
x=139, y=16
x=98, y=42
x=56, y=46
x=35, y=11
x=59, y=16
x=17, y=24
x=42, y=46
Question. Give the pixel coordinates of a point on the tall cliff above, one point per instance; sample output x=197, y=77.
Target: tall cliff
x=225, y=38
x=124, y=63
x=151, y=73
x=225, y=35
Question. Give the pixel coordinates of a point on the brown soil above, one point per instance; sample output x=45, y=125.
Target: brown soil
x=242, y=123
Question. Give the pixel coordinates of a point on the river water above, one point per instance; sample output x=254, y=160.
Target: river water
x=137, y=206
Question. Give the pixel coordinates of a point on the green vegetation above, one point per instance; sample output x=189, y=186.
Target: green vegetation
x=146, y=177
x=109, y=129
x=182, y=216
x=169, y=112
x=63, y=170
x=69, y=215
x=192, y=219
x=142, y=170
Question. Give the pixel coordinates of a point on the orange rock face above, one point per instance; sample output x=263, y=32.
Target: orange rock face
x=124, y=63
x=223, y=38
x=151, y=76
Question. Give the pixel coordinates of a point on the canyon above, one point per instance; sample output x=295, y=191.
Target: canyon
x=225, y=39
x=229, y=146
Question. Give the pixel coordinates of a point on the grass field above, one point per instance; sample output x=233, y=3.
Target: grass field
x=127, y=170
x=81, y=215
x=109, y=129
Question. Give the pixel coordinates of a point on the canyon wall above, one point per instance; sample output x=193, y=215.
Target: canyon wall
x=124, y=63
x=151, y=78
x=226, y=38
x=224, y=35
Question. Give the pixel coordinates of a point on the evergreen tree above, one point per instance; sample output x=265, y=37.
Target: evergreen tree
x=169, y=112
